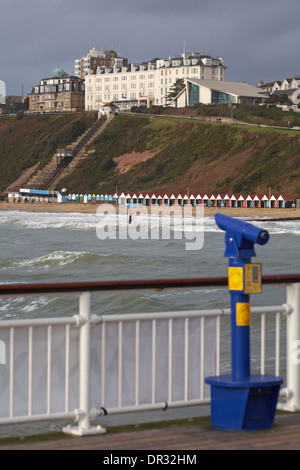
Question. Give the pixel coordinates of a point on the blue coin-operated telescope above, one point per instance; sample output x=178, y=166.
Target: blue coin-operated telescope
x=242, y=401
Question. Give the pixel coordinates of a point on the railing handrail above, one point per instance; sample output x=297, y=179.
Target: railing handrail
x=133, y=284
x=105, y=325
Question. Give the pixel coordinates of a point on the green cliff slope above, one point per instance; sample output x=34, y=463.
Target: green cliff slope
x=203, y=157
x=156, y=154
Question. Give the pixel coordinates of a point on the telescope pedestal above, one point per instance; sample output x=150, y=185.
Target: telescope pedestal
x=243, y=405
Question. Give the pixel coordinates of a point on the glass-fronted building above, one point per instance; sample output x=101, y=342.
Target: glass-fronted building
x=218, y=92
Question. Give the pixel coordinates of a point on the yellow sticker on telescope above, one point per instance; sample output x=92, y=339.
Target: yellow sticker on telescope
x=236, y=279
x=252, y=278
x=243, y=314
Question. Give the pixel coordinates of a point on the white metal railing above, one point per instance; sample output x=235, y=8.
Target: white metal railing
x=87, y=365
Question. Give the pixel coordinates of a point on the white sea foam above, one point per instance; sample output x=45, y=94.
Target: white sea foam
x=79, y=221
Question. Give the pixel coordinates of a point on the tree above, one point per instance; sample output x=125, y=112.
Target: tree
x=175, y=89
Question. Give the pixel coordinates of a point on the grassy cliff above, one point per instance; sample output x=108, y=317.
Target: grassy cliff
x=162, y=154
x=204, y=157
x=33, y=139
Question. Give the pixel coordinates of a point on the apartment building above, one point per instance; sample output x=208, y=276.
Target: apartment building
x=147, y=83
x=58, y=93
x=98, y=58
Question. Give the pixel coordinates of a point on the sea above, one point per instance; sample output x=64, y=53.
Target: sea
x=65, y=246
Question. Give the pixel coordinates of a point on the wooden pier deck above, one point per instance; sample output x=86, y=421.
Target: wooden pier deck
x=187, y=436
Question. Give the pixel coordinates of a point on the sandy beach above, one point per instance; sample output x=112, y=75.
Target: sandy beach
x=252, y=213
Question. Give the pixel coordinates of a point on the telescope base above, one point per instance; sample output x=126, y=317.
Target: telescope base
x=243, y=405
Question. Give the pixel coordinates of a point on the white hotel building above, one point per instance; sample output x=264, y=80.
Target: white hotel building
x=147, y=83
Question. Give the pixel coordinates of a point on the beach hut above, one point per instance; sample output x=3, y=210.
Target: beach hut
x=185, y=200
x=212, y=201
x=264, y=201
x=219, y=201
x=233, y=201
x=89, y=198
x=70, y=197
x=172, y=200
x=205, y=200
x=199, y=200
x=256, y=201
x=226, y=200
x=153, y=200
x=122, y=199
x=273, y=201
x=159, y=200
x=81, y=198
x=141, y=199
x=147, y=200
x=280, y=202
x=166, y=200
x=192, y=200
x=179, y=200
x=249, y=201
x=241, y=201
x=134, y=199
x=85, y=199
x=128, y=198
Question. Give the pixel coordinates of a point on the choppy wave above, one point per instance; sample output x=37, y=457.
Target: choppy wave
x=141, y=223
x=62, y=258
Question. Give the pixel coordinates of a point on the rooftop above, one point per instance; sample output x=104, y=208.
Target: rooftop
x=234, y=88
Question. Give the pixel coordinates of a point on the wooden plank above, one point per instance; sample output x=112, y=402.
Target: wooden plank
x=285, y=435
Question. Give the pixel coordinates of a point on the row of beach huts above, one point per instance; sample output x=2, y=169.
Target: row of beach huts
x=133, y=199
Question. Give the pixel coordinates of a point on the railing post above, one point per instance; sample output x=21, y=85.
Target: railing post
x=83, y=413
x=292, y=392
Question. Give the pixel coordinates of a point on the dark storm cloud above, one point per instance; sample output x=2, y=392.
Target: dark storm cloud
x=257, y=39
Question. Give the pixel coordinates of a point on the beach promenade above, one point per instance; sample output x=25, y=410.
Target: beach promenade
x=252, y=213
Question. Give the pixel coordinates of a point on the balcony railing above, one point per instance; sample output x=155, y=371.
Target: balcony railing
x=87, y=365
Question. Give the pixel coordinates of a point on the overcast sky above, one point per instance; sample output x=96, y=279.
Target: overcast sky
x=258, y=39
